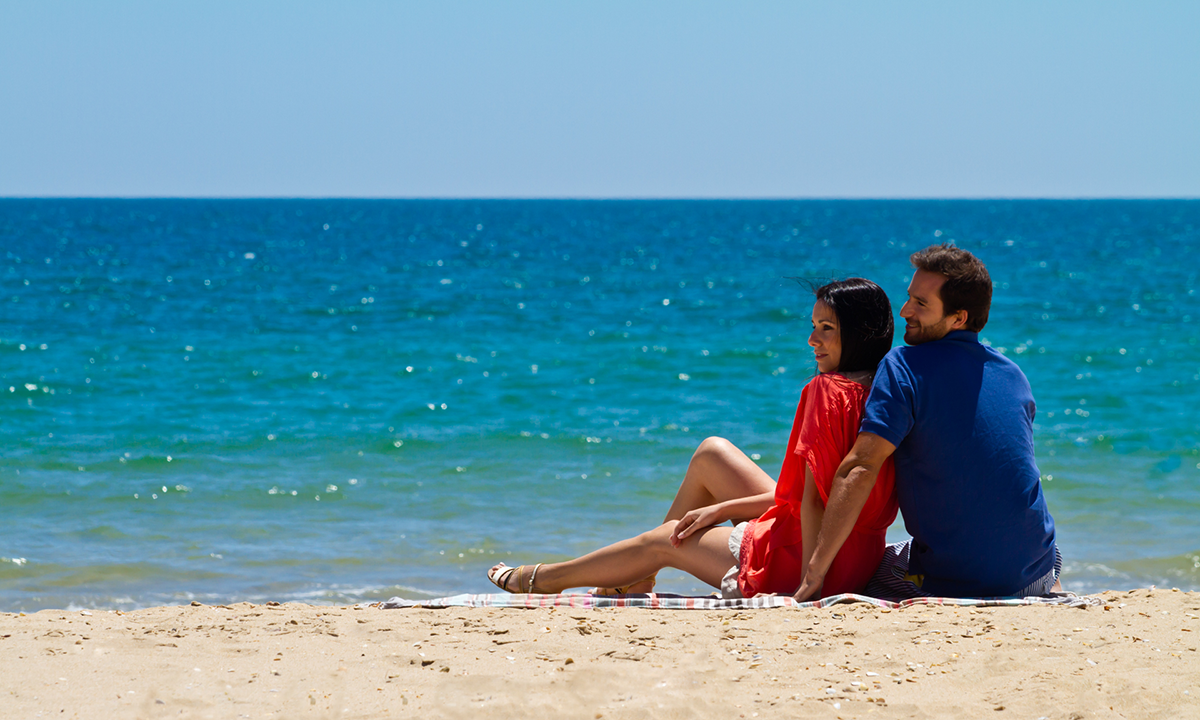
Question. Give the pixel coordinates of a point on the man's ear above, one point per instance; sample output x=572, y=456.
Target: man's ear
x=958, y=320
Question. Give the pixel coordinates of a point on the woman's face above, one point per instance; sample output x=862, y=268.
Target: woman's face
x=826, y=338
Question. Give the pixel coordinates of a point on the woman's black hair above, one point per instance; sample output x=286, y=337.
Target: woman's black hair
x=864, y=320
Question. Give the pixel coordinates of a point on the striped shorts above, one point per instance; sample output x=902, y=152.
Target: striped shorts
x=891, y=581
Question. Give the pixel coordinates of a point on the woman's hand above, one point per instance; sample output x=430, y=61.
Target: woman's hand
x=697, y=520
x=810, y=588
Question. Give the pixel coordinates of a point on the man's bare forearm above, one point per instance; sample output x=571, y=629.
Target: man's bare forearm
x=848, y=494
x=846, y=500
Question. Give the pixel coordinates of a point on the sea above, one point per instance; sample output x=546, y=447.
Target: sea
x=342, y=401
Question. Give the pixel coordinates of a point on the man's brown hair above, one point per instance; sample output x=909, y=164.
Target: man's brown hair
x=968, y=285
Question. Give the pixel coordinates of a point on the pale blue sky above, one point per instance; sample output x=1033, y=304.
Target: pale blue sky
x=600, y=99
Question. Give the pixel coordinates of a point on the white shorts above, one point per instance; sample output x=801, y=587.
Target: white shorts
x=729, y=583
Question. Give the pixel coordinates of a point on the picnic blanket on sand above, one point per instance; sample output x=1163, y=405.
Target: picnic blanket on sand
x=664, y=601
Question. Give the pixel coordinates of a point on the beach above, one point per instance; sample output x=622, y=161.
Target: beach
x=1134, y=656
x=231, y=426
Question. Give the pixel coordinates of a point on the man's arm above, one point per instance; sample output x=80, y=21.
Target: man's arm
x=851, y=487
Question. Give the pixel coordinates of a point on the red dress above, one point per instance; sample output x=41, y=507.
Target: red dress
x=825, y=429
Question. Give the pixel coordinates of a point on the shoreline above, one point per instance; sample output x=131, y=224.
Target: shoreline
x=1135, y=656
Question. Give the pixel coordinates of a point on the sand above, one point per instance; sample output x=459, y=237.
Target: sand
x=1134, y=657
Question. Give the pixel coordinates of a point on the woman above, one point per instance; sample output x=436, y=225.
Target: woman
x=852, y=331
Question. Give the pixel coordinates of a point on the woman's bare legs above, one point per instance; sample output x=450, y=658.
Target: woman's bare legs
x=705, y=554
x=719, y=471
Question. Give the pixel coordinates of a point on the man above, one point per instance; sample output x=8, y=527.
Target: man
x=958, y=418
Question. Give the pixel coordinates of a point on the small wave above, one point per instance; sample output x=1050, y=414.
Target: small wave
x=1176, y=571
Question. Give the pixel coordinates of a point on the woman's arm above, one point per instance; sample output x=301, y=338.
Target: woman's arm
x=851, y=487
x=700, y=518
x=812, y=514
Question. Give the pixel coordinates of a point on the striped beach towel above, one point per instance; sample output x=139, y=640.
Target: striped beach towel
x=664, y=601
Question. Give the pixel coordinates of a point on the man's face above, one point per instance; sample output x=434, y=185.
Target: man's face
x=924, y=315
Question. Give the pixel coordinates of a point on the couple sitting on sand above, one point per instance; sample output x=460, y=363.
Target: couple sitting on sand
x=941, y=429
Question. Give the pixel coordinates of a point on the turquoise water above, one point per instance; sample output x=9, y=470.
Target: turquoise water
x=339, y=401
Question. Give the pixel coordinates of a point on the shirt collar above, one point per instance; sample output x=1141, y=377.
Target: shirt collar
x=962, y=336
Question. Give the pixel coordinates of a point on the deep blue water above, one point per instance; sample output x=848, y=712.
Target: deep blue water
x=338, y=401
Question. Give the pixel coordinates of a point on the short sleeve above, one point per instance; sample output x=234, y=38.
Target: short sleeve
x=830, y=426
x=889, y=409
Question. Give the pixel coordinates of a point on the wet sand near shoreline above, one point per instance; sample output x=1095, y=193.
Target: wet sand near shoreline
x=1133, y=657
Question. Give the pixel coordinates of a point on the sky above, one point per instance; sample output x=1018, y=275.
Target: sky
x=612, y=99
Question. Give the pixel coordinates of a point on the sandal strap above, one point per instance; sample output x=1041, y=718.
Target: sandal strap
x=532, y=576
x=506, y=576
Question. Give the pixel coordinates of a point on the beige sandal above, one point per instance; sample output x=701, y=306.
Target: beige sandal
x=609, y=592
x=501, y=574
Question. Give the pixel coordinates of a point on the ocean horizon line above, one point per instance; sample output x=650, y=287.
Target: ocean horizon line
x=633, y=198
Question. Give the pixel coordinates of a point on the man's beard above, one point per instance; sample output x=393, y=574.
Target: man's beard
x=927, y=333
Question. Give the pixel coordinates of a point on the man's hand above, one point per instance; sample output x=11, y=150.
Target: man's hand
x=810, y=589
x=851, y=487
x=697, y=520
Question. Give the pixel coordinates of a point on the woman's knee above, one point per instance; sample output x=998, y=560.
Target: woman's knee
x=658, y=540
x=714, y=447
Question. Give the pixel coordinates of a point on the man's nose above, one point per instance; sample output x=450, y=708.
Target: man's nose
x=905, y=311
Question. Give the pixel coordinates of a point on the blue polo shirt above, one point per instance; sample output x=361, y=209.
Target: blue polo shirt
x=961, y=417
